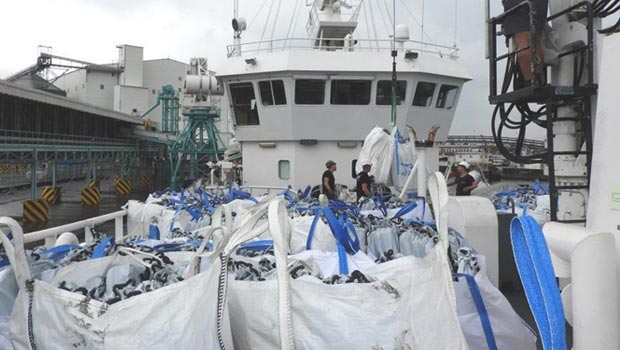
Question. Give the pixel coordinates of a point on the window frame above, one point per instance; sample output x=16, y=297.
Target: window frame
x=231, y=87
x=339, y=81
x=402, y=101
x=432, y=96
x=272, y=91
x=313, y=80
x=280, y=162
x=445, y=104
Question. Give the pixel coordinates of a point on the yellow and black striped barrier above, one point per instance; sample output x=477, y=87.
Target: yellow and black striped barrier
x=90, y=196
x=146, y=182
x=123, y=188
x=6, y=169
x=93, y=184
x=51, y=194
x=36, y=210
x=116, y=178
x=22, y=168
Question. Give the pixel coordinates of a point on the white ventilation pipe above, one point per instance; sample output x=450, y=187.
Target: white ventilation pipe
x=592, y=305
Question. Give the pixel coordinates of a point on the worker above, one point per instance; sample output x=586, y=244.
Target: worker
x=516, y=27
x=328, y=182
x=364, y=181
x=465, y=183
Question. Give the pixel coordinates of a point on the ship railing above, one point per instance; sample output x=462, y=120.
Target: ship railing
x=260, y=190
x=16, y=137
x=339, y=44
x=51, y=234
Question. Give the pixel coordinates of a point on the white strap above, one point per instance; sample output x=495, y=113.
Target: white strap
x=132, y=253
x=280, y=228
x=439, y=196
x=15, y=251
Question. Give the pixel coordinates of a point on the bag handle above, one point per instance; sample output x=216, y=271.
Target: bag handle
x=439, y=197
x=482, y=310
x=16, y=252
x=279, y=226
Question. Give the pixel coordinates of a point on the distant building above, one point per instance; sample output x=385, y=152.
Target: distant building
x=133, y=90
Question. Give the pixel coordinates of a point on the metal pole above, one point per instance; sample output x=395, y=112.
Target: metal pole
x=54, y=174
x=33, y=175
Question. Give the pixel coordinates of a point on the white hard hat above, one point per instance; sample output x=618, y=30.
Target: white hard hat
x=464, y=164
x=67, y=238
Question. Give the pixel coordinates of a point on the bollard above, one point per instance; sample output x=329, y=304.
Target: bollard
x=147, y=184
x=123, y=188
x=51, y=195
x=90, y=196
x=93, y=184
x=36, y=210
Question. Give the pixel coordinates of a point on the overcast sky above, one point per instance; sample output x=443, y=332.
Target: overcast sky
x=90, y=30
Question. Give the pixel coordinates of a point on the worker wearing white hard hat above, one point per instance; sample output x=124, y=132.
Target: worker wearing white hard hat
x=465, y=183
x=364, y=180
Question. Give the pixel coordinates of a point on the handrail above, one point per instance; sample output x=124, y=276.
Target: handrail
x=283, y=44
x=50, y=234
x=34, y=137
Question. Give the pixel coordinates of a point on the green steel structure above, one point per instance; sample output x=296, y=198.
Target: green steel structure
x=169, y=102
x=56, y=150
x=199, y=143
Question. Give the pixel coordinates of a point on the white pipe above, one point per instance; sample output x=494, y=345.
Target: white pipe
x=421, y=163
x=594, y=302
x=78, y=225
x=403, y=192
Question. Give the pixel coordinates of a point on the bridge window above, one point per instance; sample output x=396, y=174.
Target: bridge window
x=447, y=96
x=424, y=94
x=351, y=92
x=309, y=92
x=272, y=92
x=284, y=169
x=244, y=104
x=384, y=92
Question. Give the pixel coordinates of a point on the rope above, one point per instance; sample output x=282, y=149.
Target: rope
x=275, y=20
x=257, y=13
x=262, y=36
x=374, y=25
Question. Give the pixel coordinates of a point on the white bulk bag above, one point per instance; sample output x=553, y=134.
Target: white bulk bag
x=378, y=148
x=8, y=290
x=408, y=307
x=140, y=216
x=181, y=315
x=509, y=330
x=323, y=239
x=5, y=338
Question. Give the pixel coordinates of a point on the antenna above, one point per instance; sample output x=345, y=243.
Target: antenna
x=239, y=24
x=394, y=54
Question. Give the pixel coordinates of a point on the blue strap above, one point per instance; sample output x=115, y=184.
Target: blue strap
x=538, y=278
x=311, y=232
x=380, y=204
x=59, y=252
x=482, y=310
x=4, y=262
x=102, y=248
x=260, y=245
x=307, y=191
x=195, y=213
x=406, y=209
x=154, y=232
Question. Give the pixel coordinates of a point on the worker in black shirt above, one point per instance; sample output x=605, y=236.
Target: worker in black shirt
x=465, y=183
x=328, y=183
x=364, y=181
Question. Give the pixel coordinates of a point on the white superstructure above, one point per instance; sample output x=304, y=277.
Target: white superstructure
x=297, y=102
